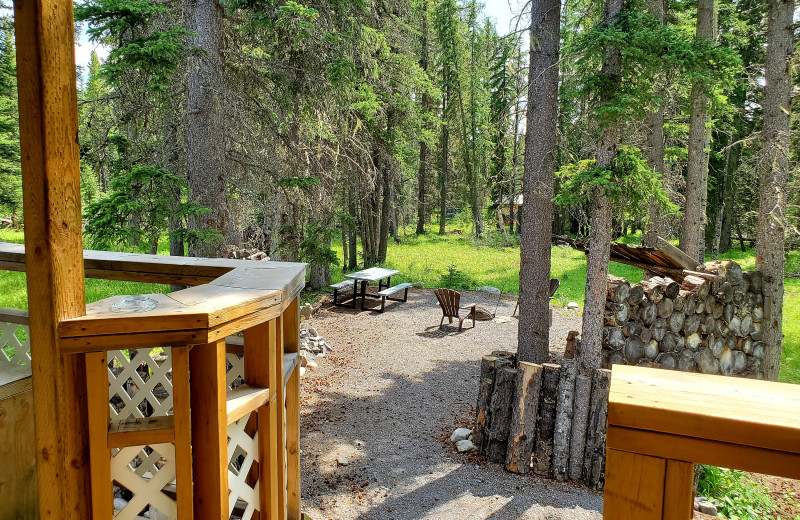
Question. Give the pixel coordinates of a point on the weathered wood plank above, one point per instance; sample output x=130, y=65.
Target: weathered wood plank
x=563, y=422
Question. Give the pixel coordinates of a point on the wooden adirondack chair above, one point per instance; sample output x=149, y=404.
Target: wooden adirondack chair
x=450, y=302
x=554, y=283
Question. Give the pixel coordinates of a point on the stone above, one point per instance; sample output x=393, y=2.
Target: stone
x=313, y=332
x=312, y=365
x=302, y=371
x=466, y=446
x=573, y=306
x=120, y=503
x=342, y=461
x=306, y=311
x=704, y=506
x=460, y=434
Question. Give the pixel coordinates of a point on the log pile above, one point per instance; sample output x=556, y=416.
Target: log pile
x=525, y=418
x=710, y=322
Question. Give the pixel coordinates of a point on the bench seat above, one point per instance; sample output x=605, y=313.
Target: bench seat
x=384, y=294
x=346, y=285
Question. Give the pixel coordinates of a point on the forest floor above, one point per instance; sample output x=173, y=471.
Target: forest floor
x=378, y=413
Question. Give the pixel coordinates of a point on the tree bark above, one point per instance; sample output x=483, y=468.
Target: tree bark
x=443, y=171
x=694, y=214
x=422, y=175
x=773, y=175
x=563, y=421
x=538, y=176
x=545, y=422
x=524, y=413
x=205, y=124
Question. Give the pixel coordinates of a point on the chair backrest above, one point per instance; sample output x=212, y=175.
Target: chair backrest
x=554, y=283
x=449, y=300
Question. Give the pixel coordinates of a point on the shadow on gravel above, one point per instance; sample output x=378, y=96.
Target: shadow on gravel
x=401, y=465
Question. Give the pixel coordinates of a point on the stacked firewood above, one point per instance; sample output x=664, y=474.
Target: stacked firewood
x=710, y=322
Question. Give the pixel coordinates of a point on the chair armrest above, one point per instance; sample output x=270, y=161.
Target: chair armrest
x=470, y=306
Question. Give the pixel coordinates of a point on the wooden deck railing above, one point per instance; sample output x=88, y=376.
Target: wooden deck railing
x=210, y=426
x=662, y=422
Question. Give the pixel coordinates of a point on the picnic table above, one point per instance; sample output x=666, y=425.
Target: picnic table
x=365, y=276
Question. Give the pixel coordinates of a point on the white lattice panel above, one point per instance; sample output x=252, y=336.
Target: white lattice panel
x=242, y=452
x=235, y=370
x=146, y=471
x=10, y=334
x=133, y=388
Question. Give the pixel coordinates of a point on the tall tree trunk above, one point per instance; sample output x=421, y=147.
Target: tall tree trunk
x=773, y=175
x=601, y=219
x=655, y=147
x=352, y=231
x=730, y=192
x=205, y=125
x=537, y=183
x=719, y=214
x=422, y=176
x=694, y=214
x=443, y=178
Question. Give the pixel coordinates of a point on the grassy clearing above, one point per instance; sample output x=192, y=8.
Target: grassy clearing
x=458, y=261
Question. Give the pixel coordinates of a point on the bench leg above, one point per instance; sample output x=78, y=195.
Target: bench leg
x=335, y=295
x=383, y=302
x=405, y=296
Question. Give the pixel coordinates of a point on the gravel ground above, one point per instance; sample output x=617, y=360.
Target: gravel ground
x=378, y=412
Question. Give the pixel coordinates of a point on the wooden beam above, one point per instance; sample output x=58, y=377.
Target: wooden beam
x=686, y=261
x=48, y=121
x=261, y=369
x=291, y=344
x=634, y=486
x=209, y=431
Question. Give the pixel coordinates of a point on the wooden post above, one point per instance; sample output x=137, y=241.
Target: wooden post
x=48, y=121
x=261, y=369
x=209, y=431
x=283, y=505
x=634, y=486
x=181, y=403
x=291, y=344
x=99, y=452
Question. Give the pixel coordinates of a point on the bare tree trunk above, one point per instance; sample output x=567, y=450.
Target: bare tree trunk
x=443, y=179
x=600, y=215
x=205, y=125
x=694, y=214
x=773, y=175
x=655, y=147
x=537, y=184
x=730, y=192
x=352, y=233
x=422, y=176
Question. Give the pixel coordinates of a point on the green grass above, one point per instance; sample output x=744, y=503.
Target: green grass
x=736, y=496
x=427, y=260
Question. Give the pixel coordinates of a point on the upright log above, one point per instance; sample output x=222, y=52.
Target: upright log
x=48, y=122
x=500, y=409
x=489, y=364
x=545, y=422
x=563, y=422
x=595, y=453
x=580, y=418
x=524, y=410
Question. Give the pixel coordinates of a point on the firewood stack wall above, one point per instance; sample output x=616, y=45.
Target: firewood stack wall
x=708, y=323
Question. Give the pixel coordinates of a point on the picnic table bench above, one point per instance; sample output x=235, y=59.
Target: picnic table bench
x=365, y=276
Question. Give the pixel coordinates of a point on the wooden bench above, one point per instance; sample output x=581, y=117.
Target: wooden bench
x=343, y=286
x=661, y=422
x=384, y=294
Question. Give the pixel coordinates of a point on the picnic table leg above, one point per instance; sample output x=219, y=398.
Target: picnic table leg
x=363, y=293
x=355, y=293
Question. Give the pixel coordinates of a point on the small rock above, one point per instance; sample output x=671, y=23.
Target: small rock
x=460, y=434
x=313, y=332
x=466, y=446
x=120, y=503
x=573, y=306
x=342, y=461
x=312, y=365
x=305, y=311
x=704, y=506
x=302, y=371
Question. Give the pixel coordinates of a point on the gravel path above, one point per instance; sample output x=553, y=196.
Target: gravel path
x=378, y=412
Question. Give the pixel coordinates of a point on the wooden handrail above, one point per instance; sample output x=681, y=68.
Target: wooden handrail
x=178, y=270
x=18, y=316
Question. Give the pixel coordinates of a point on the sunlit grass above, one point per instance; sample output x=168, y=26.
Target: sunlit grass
x=425, y=260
